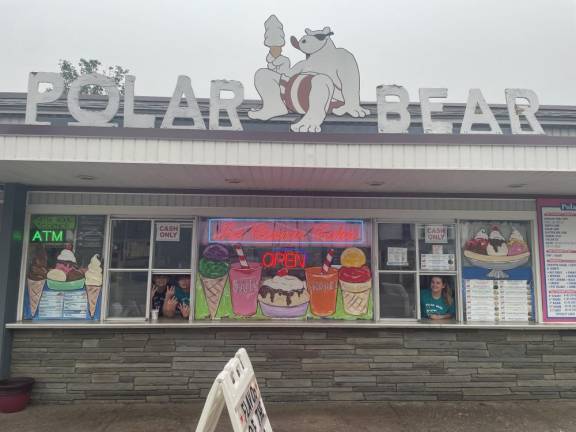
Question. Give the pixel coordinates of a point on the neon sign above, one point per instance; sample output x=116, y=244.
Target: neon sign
x=288, y=259
x=286, y=231
x=47, y=236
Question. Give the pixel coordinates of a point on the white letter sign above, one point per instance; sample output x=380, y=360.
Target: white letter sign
x=230, y=105
x=476, y=103
x=86, y=117
x=427, y=107
x=192, y=110
x=131, y=119
x=529, y=111
x=34, y=97
x=386, y=125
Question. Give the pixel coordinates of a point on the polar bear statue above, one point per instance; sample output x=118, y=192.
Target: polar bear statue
x=328, y=80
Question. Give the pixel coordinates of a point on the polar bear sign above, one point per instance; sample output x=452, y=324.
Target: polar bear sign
x=328, y=80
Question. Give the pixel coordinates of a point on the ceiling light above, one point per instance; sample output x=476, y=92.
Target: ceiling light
x=86, y=177
x=233, y=181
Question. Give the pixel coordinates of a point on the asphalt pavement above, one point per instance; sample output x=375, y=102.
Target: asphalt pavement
x=518, y=416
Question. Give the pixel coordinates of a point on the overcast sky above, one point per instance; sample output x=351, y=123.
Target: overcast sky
x=458, y=44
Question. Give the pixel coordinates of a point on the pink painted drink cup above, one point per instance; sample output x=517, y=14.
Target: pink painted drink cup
x=244, y=288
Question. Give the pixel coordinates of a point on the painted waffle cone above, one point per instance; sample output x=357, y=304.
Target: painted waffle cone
x=213, y=289
x=355, y=297
x=93, y=292
x=35, y=288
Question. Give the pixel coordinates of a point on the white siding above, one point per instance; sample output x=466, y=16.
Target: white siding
x=290, y=154
x=275, y=202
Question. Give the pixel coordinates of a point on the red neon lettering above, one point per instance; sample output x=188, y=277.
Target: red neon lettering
x=288, y=259
x=287, y=232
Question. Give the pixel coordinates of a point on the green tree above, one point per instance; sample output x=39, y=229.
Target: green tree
x=71, y=72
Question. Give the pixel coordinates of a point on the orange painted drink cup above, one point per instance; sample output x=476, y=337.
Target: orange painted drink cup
x=323, y=290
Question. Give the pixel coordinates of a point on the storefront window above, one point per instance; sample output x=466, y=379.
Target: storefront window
x=64, y=267
x=417, y=271
x=150, y=271
x=172, y=248
x=284, y=269
x=497, y=271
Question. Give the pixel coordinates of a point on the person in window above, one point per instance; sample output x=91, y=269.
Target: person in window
x=437, y=303
x=159, y=288
x=177, y=299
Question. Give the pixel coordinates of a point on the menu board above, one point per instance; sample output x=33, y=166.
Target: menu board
x=557, y=230
x=498, y=300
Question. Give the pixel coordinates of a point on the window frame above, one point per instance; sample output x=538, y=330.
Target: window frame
x=417, y=272
x=149, y=270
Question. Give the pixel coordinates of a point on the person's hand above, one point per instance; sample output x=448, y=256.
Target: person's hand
x=170, y=292
x=184, y=310
x=169, y=308
x=154, y=291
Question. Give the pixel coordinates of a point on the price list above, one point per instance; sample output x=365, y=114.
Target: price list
x=498, y=300
x=559, y=250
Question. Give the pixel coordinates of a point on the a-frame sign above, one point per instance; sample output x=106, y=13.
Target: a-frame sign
x=235, y=387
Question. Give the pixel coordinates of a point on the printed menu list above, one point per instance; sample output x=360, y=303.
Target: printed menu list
x=63, y=304
x=559, y=244
x=498, y=300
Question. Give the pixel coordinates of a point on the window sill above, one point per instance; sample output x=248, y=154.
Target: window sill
x=286, y=324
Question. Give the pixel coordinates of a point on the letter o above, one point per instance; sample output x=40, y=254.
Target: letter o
x=93, y=118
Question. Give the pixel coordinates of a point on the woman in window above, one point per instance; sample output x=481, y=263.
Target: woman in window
x=437, y=302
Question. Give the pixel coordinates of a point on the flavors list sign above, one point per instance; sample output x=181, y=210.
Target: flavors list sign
x=557, y=225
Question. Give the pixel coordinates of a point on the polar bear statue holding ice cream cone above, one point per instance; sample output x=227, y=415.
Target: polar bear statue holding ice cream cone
x=327, y=81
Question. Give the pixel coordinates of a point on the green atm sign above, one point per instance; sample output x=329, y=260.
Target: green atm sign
x=47, y=236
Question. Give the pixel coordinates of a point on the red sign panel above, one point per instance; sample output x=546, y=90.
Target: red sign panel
x=286, y=231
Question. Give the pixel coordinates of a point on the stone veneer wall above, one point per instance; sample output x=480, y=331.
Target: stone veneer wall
x=298, y=365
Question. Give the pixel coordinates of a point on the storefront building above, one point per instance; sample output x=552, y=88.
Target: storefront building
x=136, y=261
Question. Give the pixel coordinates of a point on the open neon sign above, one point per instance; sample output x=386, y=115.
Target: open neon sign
x=286, y=231
x=289, y=259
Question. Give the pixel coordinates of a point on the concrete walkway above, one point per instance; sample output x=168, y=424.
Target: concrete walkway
x=548, y=416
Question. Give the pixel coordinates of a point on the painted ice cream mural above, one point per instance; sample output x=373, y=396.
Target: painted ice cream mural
x=490, y=250
x=65, y=291
x=268, y=281
x=213, y=270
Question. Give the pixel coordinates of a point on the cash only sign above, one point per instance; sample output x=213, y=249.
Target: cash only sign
x=324, y=80
x=236, y=388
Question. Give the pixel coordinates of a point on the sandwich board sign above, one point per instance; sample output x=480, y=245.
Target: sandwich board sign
x=235, y=387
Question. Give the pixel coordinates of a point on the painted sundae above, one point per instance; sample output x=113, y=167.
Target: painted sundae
x=355, y=281
x=516, y=244
x=65, y=271
x=283, y=296
x=479, y=243
x=496, y=243
x=213, y=270
x=37, y=278
x=93, y=283
x=493, y=252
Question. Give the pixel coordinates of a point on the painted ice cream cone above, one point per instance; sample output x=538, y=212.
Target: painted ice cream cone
x=355, y=281
x=35, y=289
x=37, y=278
x=356, y=285
x=213, y=289
x=93, y=283
x=93, y=293
x=213, y=269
